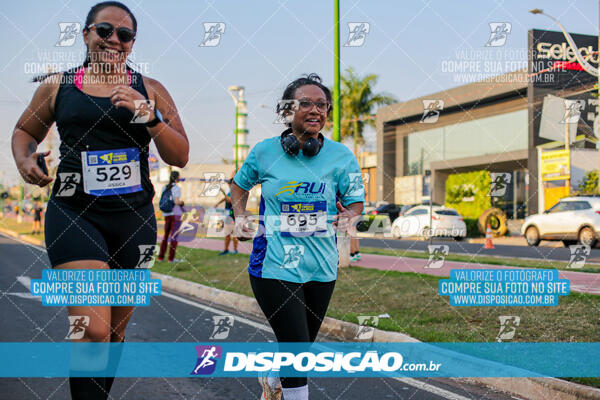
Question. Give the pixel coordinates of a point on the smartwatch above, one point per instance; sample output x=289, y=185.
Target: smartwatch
x=155, y=121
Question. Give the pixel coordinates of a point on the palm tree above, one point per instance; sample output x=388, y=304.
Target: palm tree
x=358, y=104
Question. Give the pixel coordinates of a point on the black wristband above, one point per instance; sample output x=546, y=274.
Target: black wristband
x=153, y=123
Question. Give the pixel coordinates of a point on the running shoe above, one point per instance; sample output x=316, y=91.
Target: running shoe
x=357, y=256
x=224, y=252
x=176, y=260
x=354, y=258
x=234, y=252
x=269, y=393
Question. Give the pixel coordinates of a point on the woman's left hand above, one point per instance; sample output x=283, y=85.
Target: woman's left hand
x=125, y=96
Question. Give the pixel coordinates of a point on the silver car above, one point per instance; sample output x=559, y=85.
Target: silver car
x=571, y=220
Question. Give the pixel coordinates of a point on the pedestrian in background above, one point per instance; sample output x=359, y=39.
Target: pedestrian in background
x=38, y=211
x=172, y=207
x=229, y=208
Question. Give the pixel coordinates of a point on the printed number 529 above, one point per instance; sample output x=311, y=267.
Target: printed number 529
x=113, y=173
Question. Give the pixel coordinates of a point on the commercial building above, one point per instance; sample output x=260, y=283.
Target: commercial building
x=492, y=125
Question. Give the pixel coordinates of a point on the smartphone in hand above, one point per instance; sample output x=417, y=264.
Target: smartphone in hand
x=41, y=162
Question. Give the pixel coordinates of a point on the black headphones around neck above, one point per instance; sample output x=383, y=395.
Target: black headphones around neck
x=291, y=145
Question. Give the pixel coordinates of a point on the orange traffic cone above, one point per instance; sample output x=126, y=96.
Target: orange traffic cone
x=488, y=238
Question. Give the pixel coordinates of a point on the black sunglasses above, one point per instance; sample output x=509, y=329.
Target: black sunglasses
x=105, y=30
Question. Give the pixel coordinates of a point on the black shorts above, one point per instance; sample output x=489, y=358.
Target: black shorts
x=123, y=239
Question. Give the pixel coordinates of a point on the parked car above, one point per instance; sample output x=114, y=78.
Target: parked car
x=391, y=210
x=406, y=208
x=571, y=220
x=415, y=222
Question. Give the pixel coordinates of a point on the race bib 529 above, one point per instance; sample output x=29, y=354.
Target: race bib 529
x=110, y=172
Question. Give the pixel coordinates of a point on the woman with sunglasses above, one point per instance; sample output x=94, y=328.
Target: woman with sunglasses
x=100, y=214
x=306, y=191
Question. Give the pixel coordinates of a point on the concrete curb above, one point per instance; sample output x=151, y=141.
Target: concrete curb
x=529, y=388
x=25, y=238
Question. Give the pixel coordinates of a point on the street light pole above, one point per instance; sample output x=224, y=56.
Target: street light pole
x=336, y=71
x=233, y=91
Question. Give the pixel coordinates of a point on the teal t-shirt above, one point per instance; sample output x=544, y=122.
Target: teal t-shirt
x=296, y=241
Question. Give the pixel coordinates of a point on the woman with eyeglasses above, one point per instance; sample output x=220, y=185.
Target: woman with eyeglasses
x=100, y=214
x=306, y=182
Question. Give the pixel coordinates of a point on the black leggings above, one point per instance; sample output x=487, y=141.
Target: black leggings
x=295, y=311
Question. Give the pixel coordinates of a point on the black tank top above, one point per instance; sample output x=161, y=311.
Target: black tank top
x=90, y=123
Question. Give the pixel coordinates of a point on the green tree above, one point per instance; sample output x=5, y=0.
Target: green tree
x=358, y=104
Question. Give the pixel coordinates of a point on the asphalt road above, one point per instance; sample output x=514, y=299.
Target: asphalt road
x=171, y=318
x=539, y=252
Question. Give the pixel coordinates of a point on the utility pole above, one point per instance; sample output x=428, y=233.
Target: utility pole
x=336, y=71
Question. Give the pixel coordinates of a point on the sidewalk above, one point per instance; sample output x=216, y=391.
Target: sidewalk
x=582, y=282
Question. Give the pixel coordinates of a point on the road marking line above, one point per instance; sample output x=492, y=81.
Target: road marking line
x=217, y=311
x=432, y=389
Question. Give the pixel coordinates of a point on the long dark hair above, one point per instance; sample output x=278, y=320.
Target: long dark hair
x=91, y=17
x=173, y=179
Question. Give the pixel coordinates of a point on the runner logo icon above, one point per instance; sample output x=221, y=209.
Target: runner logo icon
x=579, y=253
x=212, y=183
x=68, y=33
x=437, y=255
x=212, y=34
x=508, y=327
x=356, y=187
x=572, y=111
x=77, y=325
x=293, y=253
x=143, y=111
x=357, y=33
x=68, y=183
x=366, y=327
x=498, y=34
x=223, y=325
x=500, y=181
x=207, y=359
x=147, y=256
x=431, y=111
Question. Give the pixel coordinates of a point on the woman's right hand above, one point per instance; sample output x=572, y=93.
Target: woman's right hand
x=31, y=172
x=242, y=230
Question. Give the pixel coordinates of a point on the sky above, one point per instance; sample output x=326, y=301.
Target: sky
x=415, y=47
